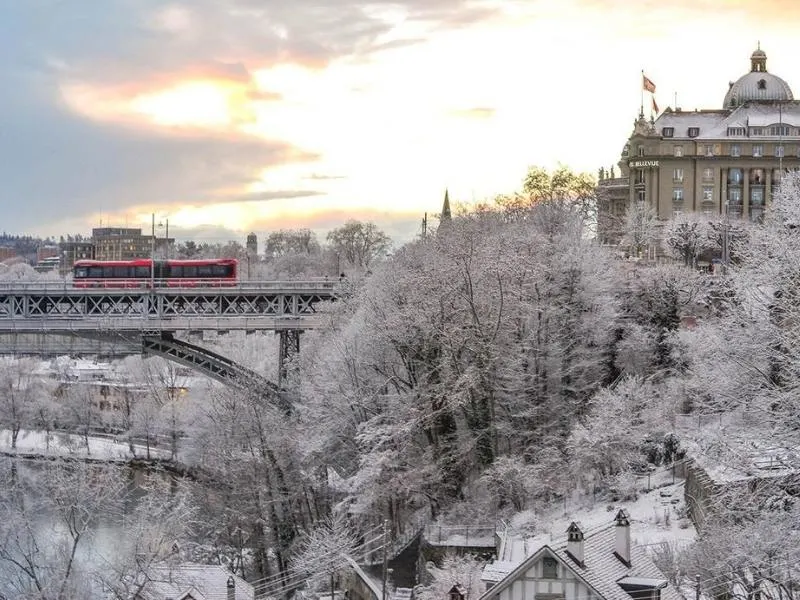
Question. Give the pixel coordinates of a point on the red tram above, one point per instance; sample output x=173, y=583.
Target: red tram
x=144, y=272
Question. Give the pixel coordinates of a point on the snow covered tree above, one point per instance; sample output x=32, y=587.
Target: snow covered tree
x=640, y=228
x=686, y=237
x=462, y=571
x=358, y=243
x=323, y=552
x=21, y=388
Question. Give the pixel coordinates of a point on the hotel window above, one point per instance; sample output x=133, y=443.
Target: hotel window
x=677, y=175
x=708, y=210
x=756, y=131
x=779, y=151
x=639, y=178
x=667, y=132
x=758, y=150
x=640, y=197
x=677, y=194
x=677, y=210
x=709, y=150
x=779, y=130
x=708, y=174
x=549, y=568
x=736, y=131
x=736, y=150
x=708, y=193
x=735, y=177
x=640, y=150
x=678, y=150
x=693, y=131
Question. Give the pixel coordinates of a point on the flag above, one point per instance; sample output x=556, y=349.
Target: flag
x=655, y=106
x=648, y=85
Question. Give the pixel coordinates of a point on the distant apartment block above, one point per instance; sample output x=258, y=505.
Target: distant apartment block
x=6, y=253
x=73, y=249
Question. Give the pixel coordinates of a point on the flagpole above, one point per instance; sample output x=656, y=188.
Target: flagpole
x=641, y=105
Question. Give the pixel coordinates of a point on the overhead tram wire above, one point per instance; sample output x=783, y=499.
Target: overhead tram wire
x=330, y=558
x=295, y=580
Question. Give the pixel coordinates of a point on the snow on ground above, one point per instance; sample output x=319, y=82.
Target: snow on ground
x=74, y=446
x=734, y=446
x=657, y=516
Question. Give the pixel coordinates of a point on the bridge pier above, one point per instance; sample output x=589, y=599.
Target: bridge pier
x=289, y=346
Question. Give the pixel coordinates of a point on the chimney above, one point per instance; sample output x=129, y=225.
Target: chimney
x=231, y=585
x=575, y=543
x=622, y=546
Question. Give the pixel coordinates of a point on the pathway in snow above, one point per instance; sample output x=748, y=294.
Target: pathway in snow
x=72, y=445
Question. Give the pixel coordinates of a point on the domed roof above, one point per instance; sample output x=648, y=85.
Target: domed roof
x=757, y=85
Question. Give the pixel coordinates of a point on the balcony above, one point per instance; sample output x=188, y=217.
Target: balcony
x=616, y=182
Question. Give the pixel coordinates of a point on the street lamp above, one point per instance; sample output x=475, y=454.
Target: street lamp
x=166, y=237
x=152, y=251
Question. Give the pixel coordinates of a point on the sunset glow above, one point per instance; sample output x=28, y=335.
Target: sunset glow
x=194, y=103
x=284, y=117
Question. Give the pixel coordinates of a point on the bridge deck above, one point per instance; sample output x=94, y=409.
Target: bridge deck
x=248, y=306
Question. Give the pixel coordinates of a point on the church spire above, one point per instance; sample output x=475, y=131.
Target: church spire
x=446, y=216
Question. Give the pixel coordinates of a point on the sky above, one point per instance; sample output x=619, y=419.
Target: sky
x=223, y=117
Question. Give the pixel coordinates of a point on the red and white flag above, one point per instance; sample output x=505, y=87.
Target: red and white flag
x=647, y=84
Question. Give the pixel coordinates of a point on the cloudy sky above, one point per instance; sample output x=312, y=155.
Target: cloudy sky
x=229, y=116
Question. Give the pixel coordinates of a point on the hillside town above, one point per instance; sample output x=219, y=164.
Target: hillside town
x=405, y=339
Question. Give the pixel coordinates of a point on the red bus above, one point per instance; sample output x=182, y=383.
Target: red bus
x=140, y=272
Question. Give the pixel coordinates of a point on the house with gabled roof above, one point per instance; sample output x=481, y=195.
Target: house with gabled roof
x=193, y=581
x=600, y=566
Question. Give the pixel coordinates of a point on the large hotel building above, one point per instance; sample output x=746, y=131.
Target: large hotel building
x=710, y=161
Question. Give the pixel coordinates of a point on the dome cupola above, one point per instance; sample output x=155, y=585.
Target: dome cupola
x=757, y=85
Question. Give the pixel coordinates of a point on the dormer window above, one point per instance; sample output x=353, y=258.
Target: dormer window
x=756, y=131
x=668, y=132
x=762, y=84
x=693, y=132
x=779, y=130
x=733, y=131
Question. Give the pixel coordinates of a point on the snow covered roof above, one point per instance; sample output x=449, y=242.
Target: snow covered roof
x=601, y=570
x=203, y=582
x=497, y=570
x=643, y=582
x=714, y=124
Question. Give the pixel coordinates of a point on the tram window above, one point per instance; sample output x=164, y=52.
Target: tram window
x=204, y=271
x=108, y=272
x=175, y=270
x=142, y=272
x=219, y=270
x=96, y=272
x=81, y=272
x=121, y=272
x=190, y=271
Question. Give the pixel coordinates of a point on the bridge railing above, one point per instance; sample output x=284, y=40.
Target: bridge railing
x=61, y=285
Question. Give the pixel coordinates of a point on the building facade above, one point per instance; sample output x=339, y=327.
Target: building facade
x=120, y=243
x=72, y=249
x=716, y=161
